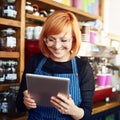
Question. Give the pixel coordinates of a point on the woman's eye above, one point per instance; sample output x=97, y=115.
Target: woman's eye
x=50, y=39
x=65, y=40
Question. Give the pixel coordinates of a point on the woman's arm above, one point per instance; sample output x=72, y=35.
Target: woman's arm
x=87, y=86
x=29, y=68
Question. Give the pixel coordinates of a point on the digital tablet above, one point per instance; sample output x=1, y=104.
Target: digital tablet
x=42, y=87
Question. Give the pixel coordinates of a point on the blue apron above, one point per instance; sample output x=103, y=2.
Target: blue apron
x=51, y=113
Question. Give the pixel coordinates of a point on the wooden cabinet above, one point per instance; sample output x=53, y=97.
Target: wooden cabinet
x=19, y=25
x=23, y=19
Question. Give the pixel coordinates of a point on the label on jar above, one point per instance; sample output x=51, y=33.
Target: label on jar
x=2, y=78
x=11, y=41
x=2, y=75
x=11, y=76
x=10, y=13
x=4, y=107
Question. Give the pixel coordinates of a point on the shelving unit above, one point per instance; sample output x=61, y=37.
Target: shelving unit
x=81, y=15
x=19, y=25
x=50, y=4
x=20, y=22
x=10, y=22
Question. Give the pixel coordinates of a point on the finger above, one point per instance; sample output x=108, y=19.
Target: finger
x=55, y=101
x=58, y=103
x=25, y=93
x=68, y=100
x=29, y=103
x=62, y=97
x=28, y=99
x=69, y=96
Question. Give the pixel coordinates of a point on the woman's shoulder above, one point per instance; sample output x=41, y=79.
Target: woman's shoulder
x=83, y=64
x=37, y=55
x=34, y=59
x=81, y=61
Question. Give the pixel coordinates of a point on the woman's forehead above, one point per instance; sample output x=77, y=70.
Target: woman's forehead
x=62, y=31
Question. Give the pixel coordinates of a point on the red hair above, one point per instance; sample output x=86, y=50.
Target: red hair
x=55, y=24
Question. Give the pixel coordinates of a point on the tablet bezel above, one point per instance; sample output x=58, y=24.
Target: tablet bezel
x=42, y=87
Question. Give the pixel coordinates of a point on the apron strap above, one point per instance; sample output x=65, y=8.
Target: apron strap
x=41, y=63
x=74, y=66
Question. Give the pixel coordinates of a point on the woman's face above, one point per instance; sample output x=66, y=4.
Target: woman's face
x=60, y=45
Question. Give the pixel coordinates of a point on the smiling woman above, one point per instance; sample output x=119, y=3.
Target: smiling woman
x=64, y=24
x=59, y=44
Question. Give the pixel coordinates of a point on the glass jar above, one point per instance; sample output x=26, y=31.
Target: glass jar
x=4, y=103
x=8, y=11
x=29, y=8
x=7, y=40
x=2, y=72
x=85, y=32
x=2, y=42
x=11, y=72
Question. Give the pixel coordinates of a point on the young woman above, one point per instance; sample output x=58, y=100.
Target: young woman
x=59, y=44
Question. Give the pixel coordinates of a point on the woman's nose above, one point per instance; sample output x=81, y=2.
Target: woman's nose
x=57, y=44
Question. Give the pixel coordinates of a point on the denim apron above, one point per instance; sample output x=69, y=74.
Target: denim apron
x=51, y=113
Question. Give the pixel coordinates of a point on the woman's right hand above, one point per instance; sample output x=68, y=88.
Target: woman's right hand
x=28, y=101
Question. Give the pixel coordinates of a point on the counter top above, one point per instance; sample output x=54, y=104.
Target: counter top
x=98, y=107
x=103, y=106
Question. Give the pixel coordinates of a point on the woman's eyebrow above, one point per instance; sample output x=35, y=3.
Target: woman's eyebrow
x=62, y=37
x=52, y=37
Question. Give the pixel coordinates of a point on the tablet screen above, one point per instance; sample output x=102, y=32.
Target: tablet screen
x=42, y=87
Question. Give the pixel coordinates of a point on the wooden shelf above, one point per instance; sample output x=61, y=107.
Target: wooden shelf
x=4, y=87
x=102, y=106
x=113, y=67
x=81, y=15
x=10, y=22
x=36, y=18
x=4, y=54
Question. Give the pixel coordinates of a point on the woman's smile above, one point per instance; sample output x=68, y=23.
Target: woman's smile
x=60, y=45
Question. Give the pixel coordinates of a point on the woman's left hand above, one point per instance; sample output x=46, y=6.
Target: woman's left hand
x=64, y=104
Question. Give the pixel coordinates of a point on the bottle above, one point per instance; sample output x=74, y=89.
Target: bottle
x=4, y=104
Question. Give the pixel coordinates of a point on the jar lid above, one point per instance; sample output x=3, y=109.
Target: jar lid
x=9, y=31
x=9, y=1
